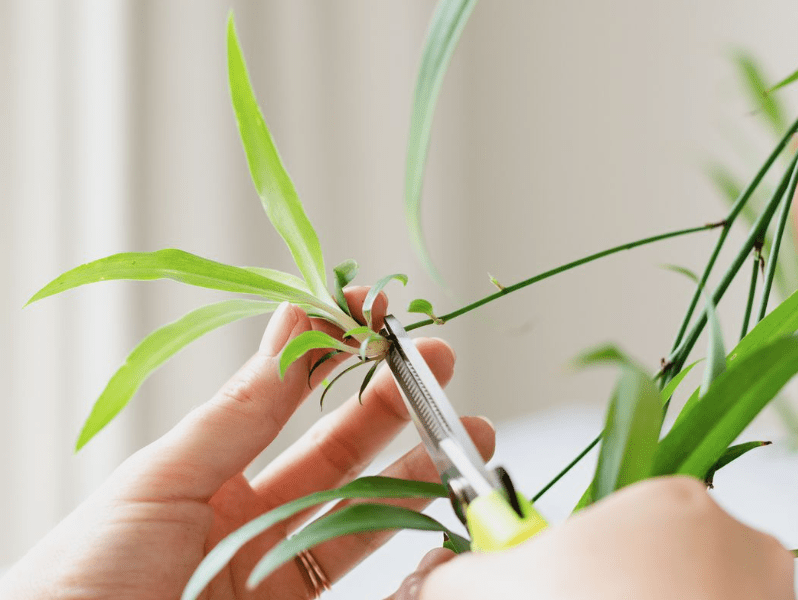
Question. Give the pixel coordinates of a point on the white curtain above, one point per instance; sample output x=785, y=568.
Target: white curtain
x=563, y=128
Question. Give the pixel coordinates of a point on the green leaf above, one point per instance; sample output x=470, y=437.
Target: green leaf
x=155, y=349
x=178, y=266
x=731, y=455
x=756, y=86
x=282, y=277
x=631, y=431
x=419, y=305
x=716, y=351
x=374, y=291
x=274, y=186
x=706, y=429
x=781, y=321
x=305, y=342
x=364, y=487
x=447, y=24
x=795, y=552
x=791, y=78
x=669, y=389
x=344, y=273
x=456, y=543
x=329, y=384
x=320, y=362
x=366, y=380
x=359, y=330
x=357, y=518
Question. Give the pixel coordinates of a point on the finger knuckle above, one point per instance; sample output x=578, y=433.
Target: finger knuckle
x=681, y=491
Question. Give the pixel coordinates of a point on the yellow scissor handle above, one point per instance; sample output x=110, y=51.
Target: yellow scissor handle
x=494, y=525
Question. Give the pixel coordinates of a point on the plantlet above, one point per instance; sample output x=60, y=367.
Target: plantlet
x=735, y=388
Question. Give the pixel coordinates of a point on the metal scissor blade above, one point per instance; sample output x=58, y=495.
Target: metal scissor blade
x=439, y=426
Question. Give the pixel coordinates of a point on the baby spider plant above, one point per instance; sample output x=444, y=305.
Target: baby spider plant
x=269, y=287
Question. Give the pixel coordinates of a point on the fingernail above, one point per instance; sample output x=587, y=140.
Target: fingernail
x=277, y=332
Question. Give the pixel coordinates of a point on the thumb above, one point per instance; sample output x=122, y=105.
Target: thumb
x=411, y=586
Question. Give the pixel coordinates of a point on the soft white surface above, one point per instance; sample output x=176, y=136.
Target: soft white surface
x=760, y=490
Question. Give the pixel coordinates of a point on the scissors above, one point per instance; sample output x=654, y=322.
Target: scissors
x=485, y=500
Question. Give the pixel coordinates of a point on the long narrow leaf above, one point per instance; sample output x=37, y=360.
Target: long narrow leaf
x=357, y=518
x=274, y=186
x=669, y=389
x=632, y=426
x=374, y=291
x=281, y=277
x=792, y=77
x=730, y=456
x=754, y=82
x=328, y=385
x=781, y=321
x=701, y=436
x=155, y=349
x=447, y=24
x=716, y=350
x=307, y=341
x=344, y=273
x=364, y=487
x=176, y=265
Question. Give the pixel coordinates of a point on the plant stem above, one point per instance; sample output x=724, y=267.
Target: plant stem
x=559, y=476
x=751, y=291
x=738, y=206
x=786, y=202
x=512, y=288
x=678, y=356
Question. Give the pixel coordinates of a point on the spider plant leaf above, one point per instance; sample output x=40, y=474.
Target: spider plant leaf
x=155, y=349
x=356, y=518
x=781, y=321
x=456, y=543
x=716, y=350
x=282, y=277
x=419, y=305
x=755, y=84
x=176, y=265
x=320, y=362
x=366, y=380
x=272, y=182
x=631, y=430
x=307, y=341
x=363, y=487
x=791, y=78
x=795, y=552
x=359, y=330
x=329, y=384
x=371, y=296
x=444, y=31
x=729, y=456
x=344, y=273
x=706, y=429
x=669, y=389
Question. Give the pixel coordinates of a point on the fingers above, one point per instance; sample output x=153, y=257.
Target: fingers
x=411, y=586
x=341, y=444
x=339, y=556
x=220, y=438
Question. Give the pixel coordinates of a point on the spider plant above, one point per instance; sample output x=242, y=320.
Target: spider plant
x=735, y=388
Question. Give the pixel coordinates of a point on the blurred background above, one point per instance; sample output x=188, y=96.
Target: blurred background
x=563, y=128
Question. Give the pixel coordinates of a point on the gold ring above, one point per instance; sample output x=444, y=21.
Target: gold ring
x=312, y=569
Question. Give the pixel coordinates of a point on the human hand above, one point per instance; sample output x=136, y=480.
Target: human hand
x=660, y=539
x=145, y=530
